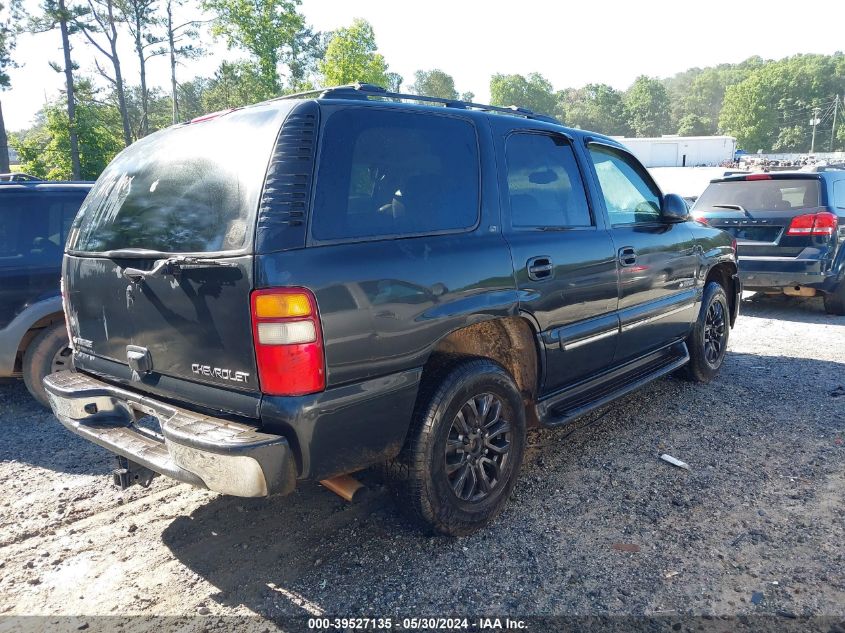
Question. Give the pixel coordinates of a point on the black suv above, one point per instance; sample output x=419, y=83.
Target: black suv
x=789, y=227
x=310, y=286
x=35, y=218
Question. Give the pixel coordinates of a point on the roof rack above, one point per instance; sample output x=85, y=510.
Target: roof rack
x=365, y=91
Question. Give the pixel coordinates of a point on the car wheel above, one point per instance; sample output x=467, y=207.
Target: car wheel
x=708, y=341
x=465, y=448
x=834, y=302
x=47, y=353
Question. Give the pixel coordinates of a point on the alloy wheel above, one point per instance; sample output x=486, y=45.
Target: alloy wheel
x=715, y=332
x=477, y=447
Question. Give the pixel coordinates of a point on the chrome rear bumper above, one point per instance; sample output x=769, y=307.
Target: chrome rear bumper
x=208, y=452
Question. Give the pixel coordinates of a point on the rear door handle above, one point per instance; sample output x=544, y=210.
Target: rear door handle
x=627, y=256
x=540, y=268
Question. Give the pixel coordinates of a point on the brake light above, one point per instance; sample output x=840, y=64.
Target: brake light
x=288, y=341
x=212, y=115
x=823, y=223
x=758, y=177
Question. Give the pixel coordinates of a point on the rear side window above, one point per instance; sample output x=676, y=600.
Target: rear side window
x=34, y=226
x=188, y=189
x=762, y=195
x=839, y=194
x=544, y=185
x=386, y=173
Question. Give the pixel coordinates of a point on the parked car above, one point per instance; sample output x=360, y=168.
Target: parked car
x=372, y=280
x=35, y=217
x=689, y=182
x=789, y=227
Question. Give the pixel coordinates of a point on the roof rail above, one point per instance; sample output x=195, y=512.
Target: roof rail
x=365, y=91
x=17, y=176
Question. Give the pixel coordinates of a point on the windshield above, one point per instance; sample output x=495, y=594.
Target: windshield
x=761, y=195
x=188, y=189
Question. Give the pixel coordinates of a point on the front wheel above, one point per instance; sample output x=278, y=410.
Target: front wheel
x=465, y=448
x=708, y=341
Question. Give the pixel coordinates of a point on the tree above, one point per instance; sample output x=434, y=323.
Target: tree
x=647, y=105
x=7, y=44
x=596, y=107
x=434, y=83
x=155, y=114
x=45, y=152
x=235, y=84
x=56, y=13
x=189, y=96
x=394, y=82
x=101, y=18
x=533, y=92
x=179, y=46
x=772, y=107
x=140, y=16
x=268, y=30
x=695, y=125
x=352, y=56
x=307, y=49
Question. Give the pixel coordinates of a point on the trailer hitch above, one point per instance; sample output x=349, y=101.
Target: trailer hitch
x=129, y=473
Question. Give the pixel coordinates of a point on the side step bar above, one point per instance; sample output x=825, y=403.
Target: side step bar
x=572, y=402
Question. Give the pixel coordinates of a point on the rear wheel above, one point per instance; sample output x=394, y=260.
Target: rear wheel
x=465, y=449
x=708, y=341
x=48, y=353
x=834, y=302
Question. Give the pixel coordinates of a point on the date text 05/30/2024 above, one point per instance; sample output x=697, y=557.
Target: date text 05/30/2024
x=411, y=624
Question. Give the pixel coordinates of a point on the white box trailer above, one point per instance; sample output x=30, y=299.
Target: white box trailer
x=681, y=151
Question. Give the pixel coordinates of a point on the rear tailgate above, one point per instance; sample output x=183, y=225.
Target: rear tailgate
x=758, y=210
x=159, y=266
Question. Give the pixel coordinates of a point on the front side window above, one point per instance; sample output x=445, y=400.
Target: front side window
x=544, y=184
x=629, y=195
x=386, y=173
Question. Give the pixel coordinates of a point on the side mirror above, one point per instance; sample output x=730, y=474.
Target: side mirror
x=674, y=209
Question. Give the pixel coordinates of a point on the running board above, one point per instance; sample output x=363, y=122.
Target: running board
x=564, y=406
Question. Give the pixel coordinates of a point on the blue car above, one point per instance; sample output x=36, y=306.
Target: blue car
x=789, y=228
x=35, y=217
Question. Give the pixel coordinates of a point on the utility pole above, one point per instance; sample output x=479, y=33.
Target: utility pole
x=815, y=122
x=833, y=129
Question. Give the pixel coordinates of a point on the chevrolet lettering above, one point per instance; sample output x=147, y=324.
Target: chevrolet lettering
x=217, y=372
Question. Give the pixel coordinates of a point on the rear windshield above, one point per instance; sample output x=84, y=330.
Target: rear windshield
x=34, y=225
x=387, y=173
x=189, y=189
x=762, y=195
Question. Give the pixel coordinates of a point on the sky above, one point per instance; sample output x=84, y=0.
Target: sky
x=570, y=43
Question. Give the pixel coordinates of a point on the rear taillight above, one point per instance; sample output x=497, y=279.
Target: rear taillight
x=288, y=341
x=823, y=223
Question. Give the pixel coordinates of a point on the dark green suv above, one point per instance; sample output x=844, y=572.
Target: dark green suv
x=313, y=285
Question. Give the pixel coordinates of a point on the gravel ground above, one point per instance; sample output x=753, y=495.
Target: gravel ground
x=597, y=523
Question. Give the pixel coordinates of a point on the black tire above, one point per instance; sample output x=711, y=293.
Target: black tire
x=712, y=329
x=47, y=353
x=834, y=302
x=429, y=492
